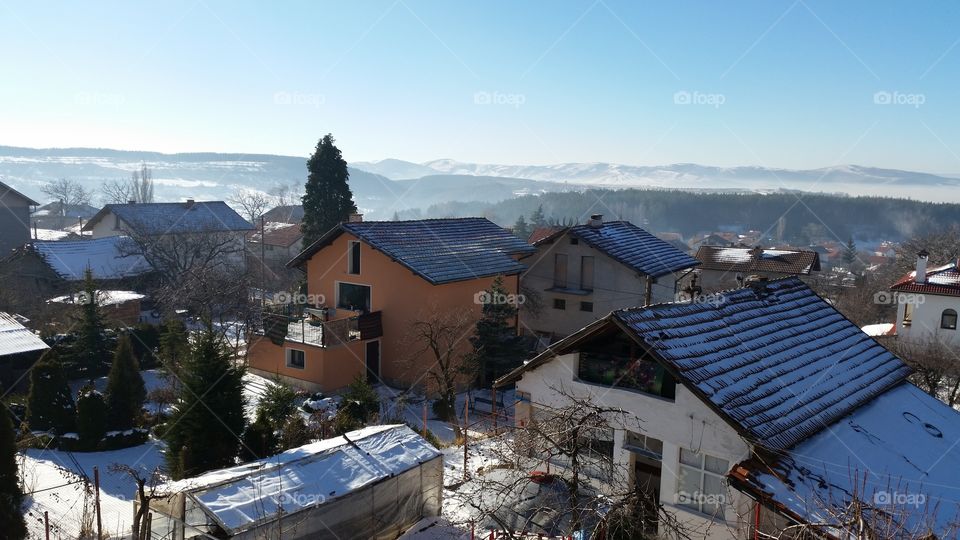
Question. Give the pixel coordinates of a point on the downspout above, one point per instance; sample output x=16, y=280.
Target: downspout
x=648, y=291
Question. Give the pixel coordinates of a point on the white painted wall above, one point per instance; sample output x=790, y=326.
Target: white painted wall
x=107, y=226
x=925, y=325
x=615, y=286
x=685, y=422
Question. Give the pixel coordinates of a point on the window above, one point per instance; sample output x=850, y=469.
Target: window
x=586, y=306
x=701, y=485
x=907, y=313
x=560, y=271
x=296, y=358
x=574, y=241
x=586, y=273
x=559, y=303
x=641, y=444
x=353, y=258
x=615, y=361
x=948, y=319
x=353, y=296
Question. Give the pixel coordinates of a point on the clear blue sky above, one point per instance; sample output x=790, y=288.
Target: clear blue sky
x=783, y=84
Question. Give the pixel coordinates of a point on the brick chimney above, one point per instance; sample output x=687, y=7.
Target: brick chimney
x=355, y=218
x=921, y=274
x=596, y=221
x=190, y=202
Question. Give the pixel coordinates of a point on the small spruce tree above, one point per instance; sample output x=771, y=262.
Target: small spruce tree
x=174, y=345
x=50, y=404
x=537, y=219
x=126, y=391
x=521, y=229
x=205, y=429
x=358, y=406
x=327, y=199
x=11, y=497
x=496, y=346
x=91, y=417
x=259, y=440
x=91, y=350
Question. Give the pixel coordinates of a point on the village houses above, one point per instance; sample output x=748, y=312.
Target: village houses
x=928, y=300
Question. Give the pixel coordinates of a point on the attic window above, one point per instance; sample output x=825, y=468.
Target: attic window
x=613, y=361
x=948, y=319
x=353, y=258
x=574, y=241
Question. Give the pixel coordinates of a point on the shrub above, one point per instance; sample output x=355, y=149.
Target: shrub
x=50, y=405
x=91, y=417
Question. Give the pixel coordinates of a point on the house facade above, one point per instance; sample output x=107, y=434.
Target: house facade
x=14, y=219
x=368, y=283
x=928, y=301
x=719, y=395
x=582, y=273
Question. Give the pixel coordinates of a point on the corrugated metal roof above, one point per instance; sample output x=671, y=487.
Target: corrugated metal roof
x=782, y=364
x=16, y=338
x=438, y=250
x=757, y=259
x=106, y=257
x=942, y=280
x=625, y=242
x=174, y=218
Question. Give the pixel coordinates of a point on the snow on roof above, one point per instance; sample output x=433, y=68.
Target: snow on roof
x=104, y=298
x=173, y=218
x=757, y=259
x=942, y=280
x=300, y=478
x=882, y=329
x=16, y=338
x=634, y=247
x=899, y=449
x=50, y=234
x=781, y=363
x=106, y=257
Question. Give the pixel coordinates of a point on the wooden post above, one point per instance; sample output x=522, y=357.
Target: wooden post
x=424, y=419
x=472, y=530
x=96, y=501
x=493, y=395
x=46, y=523
x=148, y=533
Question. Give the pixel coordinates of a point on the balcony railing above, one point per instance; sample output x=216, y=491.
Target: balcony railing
x=310, y=330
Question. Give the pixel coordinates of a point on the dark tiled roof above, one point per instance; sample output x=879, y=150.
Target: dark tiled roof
x=277, y=234
x=542, y=233
x=174, y=218
x=781, y=364
x=285, y=214
x=625, y=242
x=943, y=280
x=7, y=190
x=438, y=250
x=745, y=259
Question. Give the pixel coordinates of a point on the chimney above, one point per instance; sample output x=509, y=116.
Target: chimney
x=596, y=221
x=921, y=274
x=756, y=252
x=757, y=283
x=355, y=218
x=131, y=201
x=190, y=202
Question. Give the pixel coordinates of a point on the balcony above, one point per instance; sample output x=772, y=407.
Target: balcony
x=310, y=328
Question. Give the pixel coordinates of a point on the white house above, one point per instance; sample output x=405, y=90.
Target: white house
x=928, y=301
x=723, y=392
x=584, y=272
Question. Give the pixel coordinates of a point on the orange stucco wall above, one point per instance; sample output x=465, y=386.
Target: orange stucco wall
x=325, y=369
x=401, y=296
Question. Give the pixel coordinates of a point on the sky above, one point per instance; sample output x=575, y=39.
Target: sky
x=793, y=84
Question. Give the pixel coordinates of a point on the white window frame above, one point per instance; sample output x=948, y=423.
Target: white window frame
x=700, y=498
x=287, y=357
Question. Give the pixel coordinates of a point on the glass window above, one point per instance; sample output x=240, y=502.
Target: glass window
x=353, y=259
x=702, y=485
x=296, y=358
x=623, y=372
x=354, y=297
x=586, y=273
x=560, y=271
x=559, y=303
x=586, y=306
x=642, y=444
x=948, y=319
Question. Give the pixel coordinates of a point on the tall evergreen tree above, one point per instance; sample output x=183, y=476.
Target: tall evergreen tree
x=205, y=429
x=327, y=199
x=850, y=252
x=521, y=229
x=11, y=497
x=49, y=403
x=125, y=389
x=496, y=346
x=174, y=345
x=537, y=219
x=90, y=350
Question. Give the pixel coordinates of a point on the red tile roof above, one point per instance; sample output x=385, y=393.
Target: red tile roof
x=943, y=280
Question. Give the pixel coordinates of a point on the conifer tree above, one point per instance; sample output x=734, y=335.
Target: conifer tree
x=11, y=496
x=126, y=391
x=327, y=199
x=174, y=345
x=91, y=417
x=537, y=219
x=50, y=404
x=90, y=350
x=496, y=346
x=206, y=427
x=521, y=229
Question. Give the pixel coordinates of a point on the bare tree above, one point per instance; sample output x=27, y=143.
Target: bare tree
x=439, y=346
x=252, y=203
x=286, y=195
x=146, y=493
x=69, y=192
x=116, y=192
x=936, y=367
x=138, y=189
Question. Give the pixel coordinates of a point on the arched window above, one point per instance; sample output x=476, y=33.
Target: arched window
x=948, y=319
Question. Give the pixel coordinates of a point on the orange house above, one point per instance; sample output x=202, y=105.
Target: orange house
x=367, y=283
